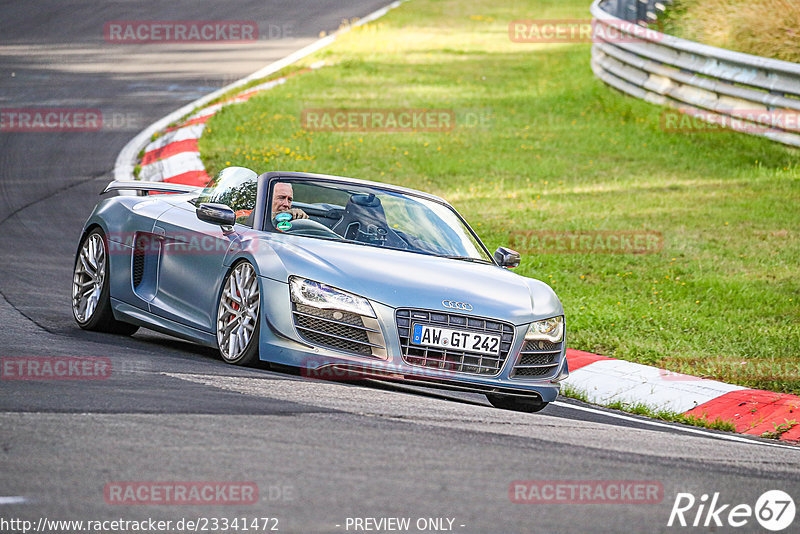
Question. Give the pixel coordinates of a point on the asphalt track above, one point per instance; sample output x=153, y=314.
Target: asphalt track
x=319, y=452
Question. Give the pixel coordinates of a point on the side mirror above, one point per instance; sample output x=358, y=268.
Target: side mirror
x=216, y=214
x=505, y=257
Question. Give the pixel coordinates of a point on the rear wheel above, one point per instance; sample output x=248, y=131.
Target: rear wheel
x=91, y=303
x=517, y=404
x=238, y=316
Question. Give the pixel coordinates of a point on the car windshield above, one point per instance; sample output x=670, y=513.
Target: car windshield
x=371, y=216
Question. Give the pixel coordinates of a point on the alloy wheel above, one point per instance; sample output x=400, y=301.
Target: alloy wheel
x=87, y=281
x=237, y=315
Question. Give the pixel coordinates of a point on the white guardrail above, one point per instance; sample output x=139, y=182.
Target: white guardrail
x=747, y=93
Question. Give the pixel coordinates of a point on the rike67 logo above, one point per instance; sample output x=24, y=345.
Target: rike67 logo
x=774, y=510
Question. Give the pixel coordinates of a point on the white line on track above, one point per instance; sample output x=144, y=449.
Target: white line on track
x=16, y=499
x=681, y=428
x=397, y=405
x=644, y=421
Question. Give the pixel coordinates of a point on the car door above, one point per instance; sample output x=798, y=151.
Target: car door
x=191, y=267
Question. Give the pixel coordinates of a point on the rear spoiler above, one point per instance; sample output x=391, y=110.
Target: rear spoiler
x=146, y=187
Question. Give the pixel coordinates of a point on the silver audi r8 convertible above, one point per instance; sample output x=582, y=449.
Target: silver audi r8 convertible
x=334, y=276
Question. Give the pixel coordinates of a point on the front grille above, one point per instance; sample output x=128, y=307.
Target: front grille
x=453, y=359
x=340, y=330
x=537, y=358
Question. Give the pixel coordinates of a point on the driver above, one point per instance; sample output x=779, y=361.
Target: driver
x=282, y=197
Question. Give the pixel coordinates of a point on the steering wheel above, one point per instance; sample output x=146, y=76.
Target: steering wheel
x=311, y=228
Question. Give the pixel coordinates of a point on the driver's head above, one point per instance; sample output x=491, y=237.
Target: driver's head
x=282, y=197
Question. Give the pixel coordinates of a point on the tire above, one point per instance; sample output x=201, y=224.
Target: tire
x=91, y=303
x=238, y=316
x=516, y=404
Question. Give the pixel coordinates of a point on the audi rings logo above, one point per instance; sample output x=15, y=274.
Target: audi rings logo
x=453, y=305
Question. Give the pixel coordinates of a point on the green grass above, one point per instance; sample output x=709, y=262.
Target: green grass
x=574, y=393
x=779, y=430
x=560, y=151
x=665, y=415
x=766, y=28
x=673, y=417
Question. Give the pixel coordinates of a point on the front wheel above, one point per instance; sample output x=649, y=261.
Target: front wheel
x=517, y=404
x=238, y=316
x=91, y=303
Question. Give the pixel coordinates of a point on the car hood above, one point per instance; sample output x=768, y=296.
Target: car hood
x=403, y=279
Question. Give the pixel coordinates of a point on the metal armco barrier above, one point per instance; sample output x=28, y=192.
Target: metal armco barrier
x=751, y=94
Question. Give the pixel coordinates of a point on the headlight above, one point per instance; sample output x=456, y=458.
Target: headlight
x=323, y=296
x=551, y=329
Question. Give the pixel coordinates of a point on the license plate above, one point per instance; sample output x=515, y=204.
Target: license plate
x=445, y=338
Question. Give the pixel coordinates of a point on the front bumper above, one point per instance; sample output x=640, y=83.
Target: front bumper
x=282, y=343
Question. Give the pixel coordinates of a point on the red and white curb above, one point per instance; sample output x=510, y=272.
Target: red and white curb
x=174, y=157
x=606, y=380
x=127, y=159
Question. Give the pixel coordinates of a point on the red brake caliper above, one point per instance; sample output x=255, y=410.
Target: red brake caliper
x=235, y=305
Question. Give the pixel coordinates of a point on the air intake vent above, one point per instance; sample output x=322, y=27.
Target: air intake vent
x=141, y=247
x=339, y=330
x=537, y=359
